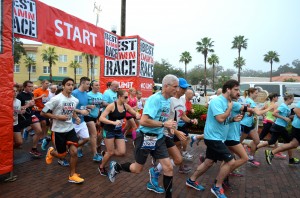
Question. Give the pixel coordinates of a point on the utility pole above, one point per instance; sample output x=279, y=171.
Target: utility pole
x=97, y=10
x=123, y=17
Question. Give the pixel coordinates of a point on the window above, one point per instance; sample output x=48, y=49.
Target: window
x=16, y=68
x=32, y=55
x=244, y=87
x=62, y=70
x=291, y=89
x=95, y=72
x=33, y=69
x=78, y=71
x=269, y=88
x=78, y=59
x=63, y=58
x=46, y=69
x=96, y=60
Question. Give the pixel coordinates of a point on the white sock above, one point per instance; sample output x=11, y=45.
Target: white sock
x=158, y=168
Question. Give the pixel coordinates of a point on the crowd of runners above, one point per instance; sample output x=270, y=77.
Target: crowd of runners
x=63, y=119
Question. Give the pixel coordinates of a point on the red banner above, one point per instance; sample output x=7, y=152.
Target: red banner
x=6, y=94
x=40, y=22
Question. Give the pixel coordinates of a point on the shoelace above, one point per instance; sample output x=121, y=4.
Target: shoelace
x=221, y=191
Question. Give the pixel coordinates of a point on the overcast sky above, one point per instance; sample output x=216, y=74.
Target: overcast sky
x=174, y=26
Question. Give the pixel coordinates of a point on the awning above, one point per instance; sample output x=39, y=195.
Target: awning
x=54, y=78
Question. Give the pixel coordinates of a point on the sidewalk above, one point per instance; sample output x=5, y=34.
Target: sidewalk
x=36, y=179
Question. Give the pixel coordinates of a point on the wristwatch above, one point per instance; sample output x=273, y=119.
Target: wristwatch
x=163, y=124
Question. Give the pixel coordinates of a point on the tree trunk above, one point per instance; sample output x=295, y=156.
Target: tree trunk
x=123, y=17
x=75, y=75
x=205, y=55
x=88, y=66
x=92, y=66
x=50, y=76
x=271, y=72
x=185, y=74
x=239, y=69
x=29, y=72
x=213, y=77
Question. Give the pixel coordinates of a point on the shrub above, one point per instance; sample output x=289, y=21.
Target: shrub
x=199, y=110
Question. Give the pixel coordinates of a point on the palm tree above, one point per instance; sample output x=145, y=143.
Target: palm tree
x=185, y=58
x=74, y=65
x=204, y=46
x=87, y=58
x=92, y=66
x=50, y=56
x=239, y=62
x=271, y=57
x=238, y=43
x=29, y=61
x=213, y=60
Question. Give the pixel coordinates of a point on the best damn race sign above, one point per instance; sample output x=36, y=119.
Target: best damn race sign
x=25, y=21
x=125, y=63
x=146, y=59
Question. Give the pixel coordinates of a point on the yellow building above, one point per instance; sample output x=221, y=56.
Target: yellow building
x=59, y=71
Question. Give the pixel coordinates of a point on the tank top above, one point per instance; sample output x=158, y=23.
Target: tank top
x=131, y=102
x=269, y=115
x=113, y=116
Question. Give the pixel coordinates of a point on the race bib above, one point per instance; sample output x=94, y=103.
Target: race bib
x=149, y=142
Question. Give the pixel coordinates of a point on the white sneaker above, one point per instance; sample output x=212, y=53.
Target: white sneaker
x=187, y=156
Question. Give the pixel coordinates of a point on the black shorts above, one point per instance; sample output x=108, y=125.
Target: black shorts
x=23, y=123
x=89, y=119
x=169, y=142
x=231, y=142
x=17, y=128
x=246, y=129
x=38, y=115
x=113, y=134
x=141, y=155
x=182, y=129
x=296, y=134
x=61, y=139
x=279, y=131
x=217, y=151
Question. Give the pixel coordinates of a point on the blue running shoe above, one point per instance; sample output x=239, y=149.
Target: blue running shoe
x=97, y=157
x=156, y=189
x=112, y=171
x=153, y=177
x=25, y=134
x=218, y=192
x=192, y=140
x=79, y=153
x=63, y=162
x=45, y=143
x=194, y=184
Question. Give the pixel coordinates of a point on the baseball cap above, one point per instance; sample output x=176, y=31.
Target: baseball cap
x=183, y=83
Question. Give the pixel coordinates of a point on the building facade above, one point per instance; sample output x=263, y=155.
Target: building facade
x=60, y=70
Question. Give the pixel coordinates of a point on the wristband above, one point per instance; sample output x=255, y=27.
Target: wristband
x=245, y=109
x=163, y=124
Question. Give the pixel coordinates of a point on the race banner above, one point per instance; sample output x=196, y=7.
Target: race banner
x=126, y=61
x=25, y=20
x=146, y=59
x=111, y=45
x=6, y=94
x=56, y=27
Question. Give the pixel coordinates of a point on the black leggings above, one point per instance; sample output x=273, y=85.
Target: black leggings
x=279, y=131
x=266, y=129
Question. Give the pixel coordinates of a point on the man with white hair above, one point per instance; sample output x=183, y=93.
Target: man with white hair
x=151, y=137
x=52, y=90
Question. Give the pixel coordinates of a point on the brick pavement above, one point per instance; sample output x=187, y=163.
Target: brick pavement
x=36, y=179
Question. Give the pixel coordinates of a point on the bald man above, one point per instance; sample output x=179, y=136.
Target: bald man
x=110, y=95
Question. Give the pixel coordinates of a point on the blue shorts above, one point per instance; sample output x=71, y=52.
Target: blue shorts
x=113, y=134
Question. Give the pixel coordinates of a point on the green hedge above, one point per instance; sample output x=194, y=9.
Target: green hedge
x=199, y=110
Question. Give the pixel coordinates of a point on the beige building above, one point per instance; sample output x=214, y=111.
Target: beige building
x=59, y=71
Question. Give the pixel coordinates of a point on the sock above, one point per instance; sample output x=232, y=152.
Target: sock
x=124, y=167
x=168, y=185
x=194, y=138
x=251, y=157
x=158, y=168
x=133, y=134
x=172, y=162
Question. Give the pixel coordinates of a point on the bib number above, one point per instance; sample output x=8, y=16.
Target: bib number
x=149, y=142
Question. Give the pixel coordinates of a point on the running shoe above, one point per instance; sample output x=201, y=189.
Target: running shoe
x=45, y=143
x=112, y=171
x=49, y=157
x=102, y=171
x=63, y=162
x=153, y=161
x=153, y=177
x=194, y=184
x=269, y=156
x=187, y=156
x=184, y=169
x=280, y=155
x=25, y=134
x=79, y=153
x=102, y=143
x=97, y=157
x=75, y=179
x=218, y=191
x=192, y=140
x=294, y=161
x=156, y=189
x=253, y=163
x=35, y=153
x=40, y=141
x=236, y=173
